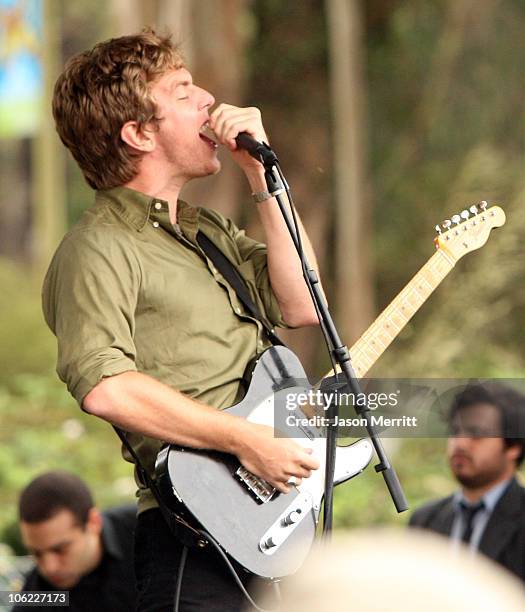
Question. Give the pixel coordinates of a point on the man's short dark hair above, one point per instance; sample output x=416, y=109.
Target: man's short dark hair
x=52, y=492
x=510, y=404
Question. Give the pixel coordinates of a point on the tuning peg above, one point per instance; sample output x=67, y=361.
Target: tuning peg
x=438, y=229
x=446, y=224
x=465, y=214
x=473, y=209
x=456, y=219
x=483, y=205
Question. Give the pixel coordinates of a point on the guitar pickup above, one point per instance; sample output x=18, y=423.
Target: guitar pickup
x=259, y=488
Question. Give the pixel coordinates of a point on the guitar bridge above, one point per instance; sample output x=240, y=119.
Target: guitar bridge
x=259, y=488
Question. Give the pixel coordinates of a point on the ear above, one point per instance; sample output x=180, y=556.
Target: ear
x=137, y=137
x=94, y=521
x=513, y=452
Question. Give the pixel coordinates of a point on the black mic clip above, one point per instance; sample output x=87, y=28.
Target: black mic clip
x=258, y=150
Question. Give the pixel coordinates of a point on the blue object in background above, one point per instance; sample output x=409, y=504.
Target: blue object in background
x=21, y=79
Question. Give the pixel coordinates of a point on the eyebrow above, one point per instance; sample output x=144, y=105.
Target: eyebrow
x=61, y=544
x=176, y=83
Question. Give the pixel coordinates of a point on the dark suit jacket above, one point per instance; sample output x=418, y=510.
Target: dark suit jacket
x=504, y=537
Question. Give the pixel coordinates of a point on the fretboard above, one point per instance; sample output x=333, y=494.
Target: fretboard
x=372, y=344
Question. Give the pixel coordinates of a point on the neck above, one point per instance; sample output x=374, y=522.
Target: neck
x=474, y=494
x=96, y=556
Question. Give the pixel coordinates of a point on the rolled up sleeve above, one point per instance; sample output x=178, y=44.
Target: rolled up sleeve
x=89, y=299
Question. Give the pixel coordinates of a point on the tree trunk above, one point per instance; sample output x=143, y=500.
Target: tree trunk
x=353, y=282
x=48, y=162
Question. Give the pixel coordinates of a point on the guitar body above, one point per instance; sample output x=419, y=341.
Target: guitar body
x=203, y=485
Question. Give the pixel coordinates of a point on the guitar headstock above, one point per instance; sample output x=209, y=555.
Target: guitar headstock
x=469, y=230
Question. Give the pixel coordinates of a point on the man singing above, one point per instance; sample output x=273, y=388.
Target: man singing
x=151, y=337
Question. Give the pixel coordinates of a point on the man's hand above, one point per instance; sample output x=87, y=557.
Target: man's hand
x=229, y=121
x=274, y=459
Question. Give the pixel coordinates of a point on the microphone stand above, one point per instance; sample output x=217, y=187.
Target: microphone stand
x=277, y=185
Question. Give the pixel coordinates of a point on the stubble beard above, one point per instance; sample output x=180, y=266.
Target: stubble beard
x=479, y=479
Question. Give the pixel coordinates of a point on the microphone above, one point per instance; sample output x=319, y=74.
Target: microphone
x=258, y=150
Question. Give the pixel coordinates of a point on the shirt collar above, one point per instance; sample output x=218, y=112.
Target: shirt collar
x=138, y=208
x=490, y=499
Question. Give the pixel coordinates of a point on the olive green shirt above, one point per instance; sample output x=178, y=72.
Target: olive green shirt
x=128, y=291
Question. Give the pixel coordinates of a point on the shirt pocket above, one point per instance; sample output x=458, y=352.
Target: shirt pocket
x=154, y=322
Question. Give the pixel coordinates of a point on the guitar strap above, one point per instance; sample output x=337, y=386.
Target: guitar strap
x=178, y=527
x=235, y=280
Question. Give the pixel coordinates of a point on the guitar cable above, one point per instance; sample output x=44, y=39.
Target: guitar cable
x=229, y=565
x=180, y=572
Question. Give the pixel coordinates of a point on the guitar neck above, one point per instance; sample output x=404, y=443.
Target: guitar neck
x=371, y=345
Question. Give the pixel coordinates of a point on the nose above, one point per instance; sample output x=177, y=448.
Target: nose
x=49, y=564
x=460, y=443
x=206, y=98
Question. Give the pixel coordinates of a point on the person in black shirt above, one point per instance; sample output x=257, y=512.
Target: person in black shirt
x=76, y=547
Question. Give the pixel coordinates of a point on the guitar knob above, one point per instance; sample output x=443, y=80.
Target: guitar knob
x=473, y=209
x=456, y=219
x=465, y=214
x=275, y=540
x=446, y=224
x=438, y=229
x=483, y=205
x=293, y=517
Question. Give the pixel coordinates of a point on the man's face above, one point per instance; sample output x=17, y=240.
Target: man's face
x=476, y=456
x=63, y=550
x=184, y=110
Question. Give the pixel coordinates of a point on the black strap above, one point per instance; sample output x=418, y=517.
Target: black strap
x=230, y=273
x=180, y=529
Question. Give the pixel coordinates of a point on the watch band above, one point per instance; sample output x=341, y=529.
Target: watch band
x=261, y=196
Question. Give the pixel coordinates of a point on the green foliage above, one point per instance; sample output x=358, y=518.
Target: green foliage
x=41, y=427
x=26, y=345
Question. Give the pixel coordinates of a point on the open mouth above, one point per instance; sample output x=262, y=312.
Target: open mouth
x=205, y=134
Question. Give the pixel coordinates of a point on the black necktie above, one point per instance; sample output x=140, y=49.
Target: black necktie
x=469, y=512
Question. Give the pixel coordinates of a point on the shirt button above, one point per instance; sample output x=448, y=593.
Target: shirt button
x=158, y=205
x=155, y=224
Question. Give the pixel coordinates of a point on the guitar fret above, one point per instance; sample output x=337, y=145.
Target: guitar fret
x=373, y=338
x=424, y=279
x=372, y=348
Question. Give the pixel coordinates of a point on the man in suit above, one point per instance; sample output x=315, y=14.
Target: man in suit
x=485, y=450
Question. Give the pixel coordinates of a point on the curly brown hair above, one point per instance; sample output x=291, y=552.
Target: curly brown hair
x=99, y=91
